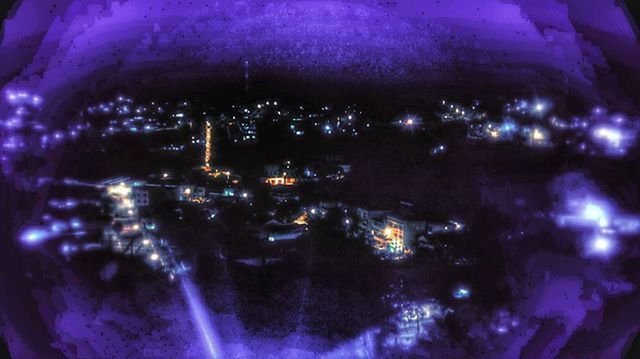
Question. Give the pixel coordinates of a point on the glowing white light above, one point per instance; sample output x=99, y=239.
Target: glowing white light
x=154, y=256
x=461, y=293
x=600, y=246
x=75, y=223
x=610, y=134
x=595, y=213
x=34, y=236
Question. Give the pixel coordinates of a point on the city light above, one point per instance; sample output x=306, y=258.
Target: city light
x=593, y=212
x=614, y=140
x=538, y=135
x=120, y=190
x=598, y=221
x=600, y=246
x=612, y=135
x=34, y=236
x=207, y=143
x=58, y=227
x=461, y=293
x=302, y=219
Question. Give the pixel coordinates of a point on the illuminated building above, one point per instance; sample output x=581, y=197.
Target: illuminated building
x=190, y=193
x=409, y=122
x=280, y=175
x=538, y=136
x=302, y=219
x=140, y=197
x=280, y=181
x=367, y=217
x=613, y=140
x=390, y=232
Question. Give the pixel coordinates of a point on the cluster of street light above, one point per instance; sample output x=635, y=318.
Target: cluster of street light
x=137, y=236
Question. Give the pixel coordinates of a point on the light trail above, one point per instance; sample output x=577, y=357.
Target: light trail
x=200, y=319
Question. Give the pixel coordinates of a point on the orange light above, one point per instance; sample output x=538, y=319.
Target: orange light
x=302, y=219
x=280, y=181
x=538, y=135
x=207, y=150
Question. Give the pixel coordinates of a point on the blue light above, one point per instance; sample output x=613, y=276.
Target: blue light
x=75, y=223
x=600, y=246
x=461, y=293
x=200, y=318
x=34, y=236
x=58, y=226
x=594, y=213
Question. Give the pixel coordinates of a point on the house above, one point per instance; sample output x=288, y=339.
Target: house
x=393, y=232
x=280, y=175
x=190, y=193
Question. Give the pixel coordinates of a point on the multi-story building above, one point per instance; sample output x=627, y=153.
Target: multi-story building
x=394, y=233
x=367, y=219
x=140, y=196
